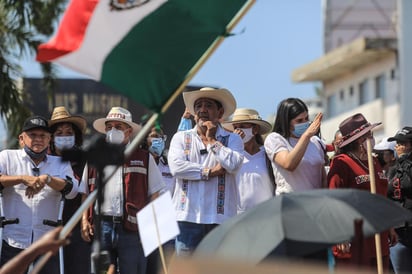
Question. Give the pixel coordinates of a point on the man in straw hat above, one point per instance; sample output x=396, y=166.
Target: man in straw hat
x=255, y=180
x=32, y=183
x=125, y=193
x=350, y=169
x=204, y=161
x=67, y=133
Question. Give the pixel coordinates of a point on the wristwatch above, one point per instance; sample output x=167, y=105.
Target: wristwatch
x=48, y=179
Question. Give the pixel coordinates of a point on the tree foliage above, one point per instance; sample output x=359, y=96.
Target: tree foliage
x=24, y=24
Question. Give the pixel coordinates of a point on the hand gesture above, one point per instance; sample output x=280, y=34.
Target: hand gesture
x=50, y=241
x=314, y=127
x=86, y=230
x=217, y=171
x=211, y=129
x=186, y=114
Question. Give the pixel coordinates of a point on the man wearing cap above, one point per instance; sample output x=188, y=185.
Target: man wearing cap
x=32, y=183
x=204, y=161
x=126, y=192
x=400, y=190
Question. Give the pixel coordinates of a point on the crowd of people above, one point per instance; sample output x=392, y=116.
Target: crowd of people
x=222, y=161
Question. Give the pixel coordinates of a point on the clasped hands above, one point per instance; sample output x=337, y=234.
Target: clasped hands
x=34, y=184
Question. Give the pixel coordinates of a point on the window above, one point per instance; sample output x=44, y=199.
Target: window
x=351, y=91
x=363, y=92
x=332, y=106
x=342, y=95
x=380, y=86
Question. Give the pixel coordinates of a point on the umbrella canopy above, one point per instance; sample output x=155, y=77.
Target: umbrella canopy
x=301, y=223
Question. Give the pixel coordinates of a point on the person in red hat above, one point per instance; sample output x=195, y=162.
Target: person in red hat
x=350, y=169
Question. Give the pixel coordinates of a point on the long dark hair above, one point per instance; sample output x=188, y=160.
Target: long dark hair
x=288, y=110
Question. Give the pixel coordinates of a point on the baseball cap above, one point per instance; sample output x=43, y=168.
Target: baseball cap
x=35, y=122
x=405, y=134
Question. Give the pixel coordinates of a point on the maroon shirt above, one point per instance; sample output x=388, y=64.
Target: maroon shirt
x=346, y=172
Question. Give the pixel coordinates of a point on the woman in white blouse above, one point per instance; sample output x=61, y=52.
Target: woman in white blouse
x=294, y=148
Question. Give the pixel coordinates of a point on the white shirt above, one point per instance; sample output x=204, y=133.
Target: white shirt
x=31, y=211
x=167, y=176
x=200, y=201
x=307, y=175
x=253, y=181
x=113, y=190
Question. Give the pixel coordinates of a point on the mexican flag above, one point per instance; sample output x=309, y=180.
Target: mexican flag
x=145, y=49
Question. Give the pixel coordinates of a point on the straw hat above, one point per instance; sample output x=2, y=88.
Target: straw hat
x=116, y=114
x=222, y=95
x=354, y=127
x=61, y=115
x=247, y=115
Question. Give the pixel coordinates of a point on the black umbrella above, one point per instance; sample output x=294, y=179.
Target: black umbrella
x=301, y=223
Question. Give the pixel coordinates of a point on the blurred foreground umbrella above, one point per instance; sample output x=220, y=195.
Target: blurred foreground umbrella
x=301, y=223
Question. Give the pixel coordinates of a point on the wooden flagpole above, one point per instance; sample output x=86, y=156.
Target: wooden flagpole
x=373, y=191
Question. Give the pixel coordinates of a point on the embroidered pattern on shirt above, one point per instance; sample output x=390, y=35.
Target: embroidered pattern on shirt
x=220, y=207
x=361, y=179
x=183, y=195
x=221, y=195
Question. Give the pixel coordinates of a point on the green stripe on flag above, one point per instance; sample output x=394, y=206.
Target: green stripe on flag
x=150, y=63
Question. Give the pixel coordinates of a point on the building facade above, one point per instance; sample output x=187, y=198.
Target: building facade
x=362, y=68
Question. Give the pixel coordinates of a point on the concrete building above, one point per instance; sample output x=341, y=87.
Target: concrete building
x=363, y=64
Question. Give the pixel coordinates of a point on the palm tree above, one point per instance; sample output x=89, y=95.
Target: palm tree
x=24, y=24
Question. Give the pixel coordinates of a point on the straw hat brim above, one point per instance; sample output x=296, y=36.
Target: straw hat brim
x=359, y=134
x=100, y=124
x=78, y=121
x=264, y=127
x=221, y=95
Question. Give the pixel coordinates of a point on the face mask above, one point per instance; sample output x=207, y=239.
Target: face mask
x=157, y=147
x=114, y=136
x=248, y=134
x=64, y=142
x=300, y=129
x=185, y=124
x=35, y=155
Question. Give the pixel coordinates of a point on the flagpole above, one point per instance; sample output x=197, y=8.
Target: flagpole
x=207, y=54
x=373, y=191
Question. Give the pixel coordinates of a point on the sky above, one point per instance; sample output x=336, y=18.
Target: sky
x=272, y=39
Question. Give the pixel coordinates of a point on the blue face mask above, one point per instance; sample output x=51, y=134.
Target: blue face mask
x=300, y=129
x=35, y=155
x=157, y=147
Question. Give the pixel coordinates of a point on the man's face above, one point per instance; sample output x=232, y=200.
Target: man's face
x=207, y=110
x=127, y=130
x=35, y=139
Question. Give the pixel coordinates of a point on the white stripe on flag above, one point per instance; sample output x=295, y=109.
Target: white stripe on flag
x=106, y=29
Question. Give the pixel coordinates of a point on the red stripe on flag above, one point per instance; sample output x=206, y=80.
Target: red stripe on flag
x=71, y=31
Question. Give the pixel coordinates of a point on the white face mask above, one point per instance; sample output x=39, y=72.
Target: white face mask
x=248, y=134
x=64, y=142
x=114, y=136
